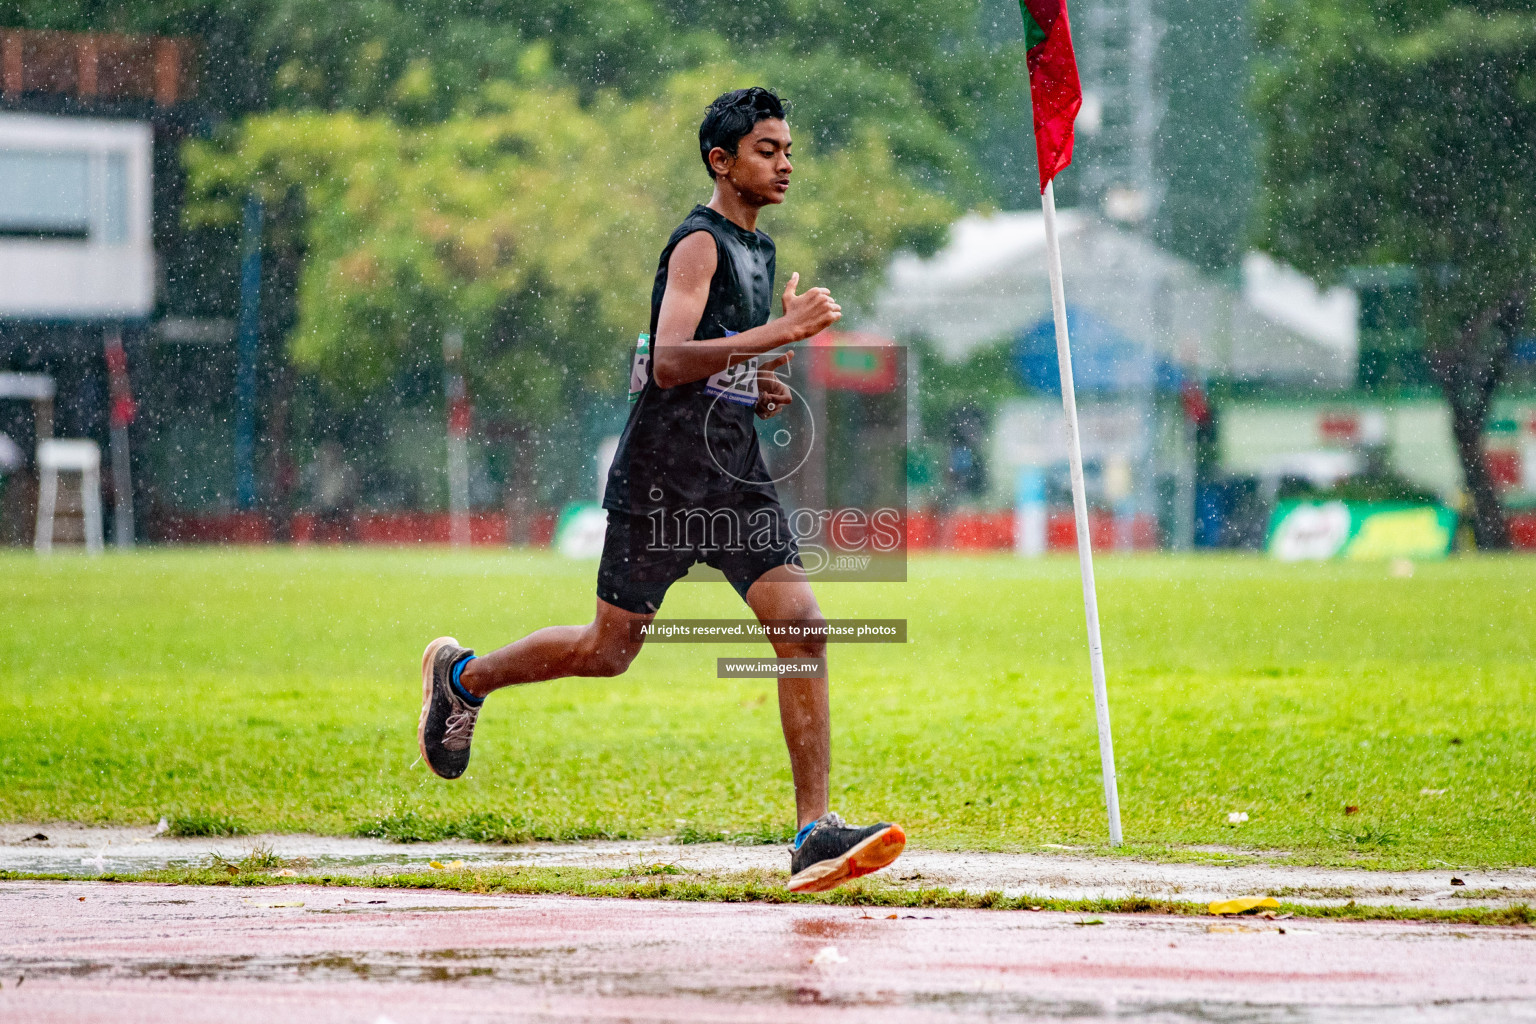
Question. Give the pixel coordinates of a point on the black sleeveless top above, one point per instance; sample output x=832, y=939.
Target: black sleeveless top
x=695, y=445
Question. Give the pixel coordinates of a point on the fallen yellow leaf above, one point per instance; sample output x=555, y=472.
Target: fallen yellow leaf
x=1242, y=903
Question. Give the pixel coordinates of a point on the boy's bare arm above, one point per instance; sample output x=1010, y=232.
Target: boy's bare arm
x=678, y=358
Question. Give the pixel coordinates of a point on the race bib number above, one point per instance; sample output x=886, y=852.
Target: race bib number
x=640, y=367
x=736, y=383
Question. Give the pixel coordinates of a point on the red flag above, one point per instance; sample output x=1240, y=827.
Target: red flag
x=1053, y=85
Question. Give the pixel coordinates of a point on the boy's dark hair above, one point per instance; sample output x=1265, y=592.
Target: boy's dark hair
x=732, y=116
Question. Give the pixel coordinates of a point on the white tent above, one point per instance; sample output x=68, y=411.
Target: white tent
x=989, y=284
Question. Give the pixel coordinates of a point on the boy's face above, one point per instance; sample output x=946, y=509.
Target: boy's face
x=760, y=169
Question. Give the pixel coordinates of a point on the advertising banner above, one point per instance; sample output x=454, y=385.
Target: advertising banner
x=1316, y=530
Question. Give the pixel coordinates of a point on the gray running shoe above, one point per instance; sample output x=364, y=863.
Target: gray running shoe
x=447, y=720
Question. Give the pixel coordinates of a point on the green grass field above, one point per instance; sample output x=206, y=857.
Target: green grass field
x=278, y=690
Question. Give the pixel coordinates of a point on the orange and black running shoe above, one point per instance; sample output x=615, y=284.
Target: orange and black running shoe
x=829, y=852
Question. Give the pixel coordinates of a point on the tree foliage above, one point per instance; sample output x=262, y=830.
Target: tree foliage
x=511, y=167
x=1405, y=133
x=918, y=71
x=530, y=220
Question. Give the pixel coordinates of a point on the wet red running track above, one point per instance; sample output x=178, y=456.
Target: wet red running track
x=92, y=952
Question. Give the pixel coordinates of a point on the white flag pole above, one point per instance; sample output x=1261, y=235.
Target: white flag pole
x=1080, y=512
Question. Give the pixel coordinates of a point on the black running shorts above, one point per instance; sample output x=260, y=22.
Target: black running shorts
x=644, y=554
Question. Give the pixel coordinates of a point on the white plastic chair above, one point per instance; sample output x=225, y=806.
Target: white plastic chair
x=68, y=456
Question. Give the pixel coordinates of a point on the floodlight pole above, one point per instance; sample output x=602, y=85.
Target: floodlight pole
x=1080, y=513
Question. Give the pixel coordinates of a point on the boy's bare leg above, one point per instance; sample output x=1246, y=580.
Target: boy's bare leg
x=804, y=711
x=603, y=647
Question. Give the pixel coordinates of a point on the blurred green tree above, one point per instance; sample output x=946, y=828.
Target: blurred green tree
x=1405, y=133
x=531, y=222
x=917, y=71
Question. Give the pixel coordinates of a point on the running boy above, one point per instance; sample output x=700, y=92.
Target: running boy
x=689, y=457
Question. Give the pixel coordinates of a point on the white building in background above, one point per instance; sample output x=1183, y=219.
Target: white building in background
x=989, y=284
x=75, y=219
x=1144, y=319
